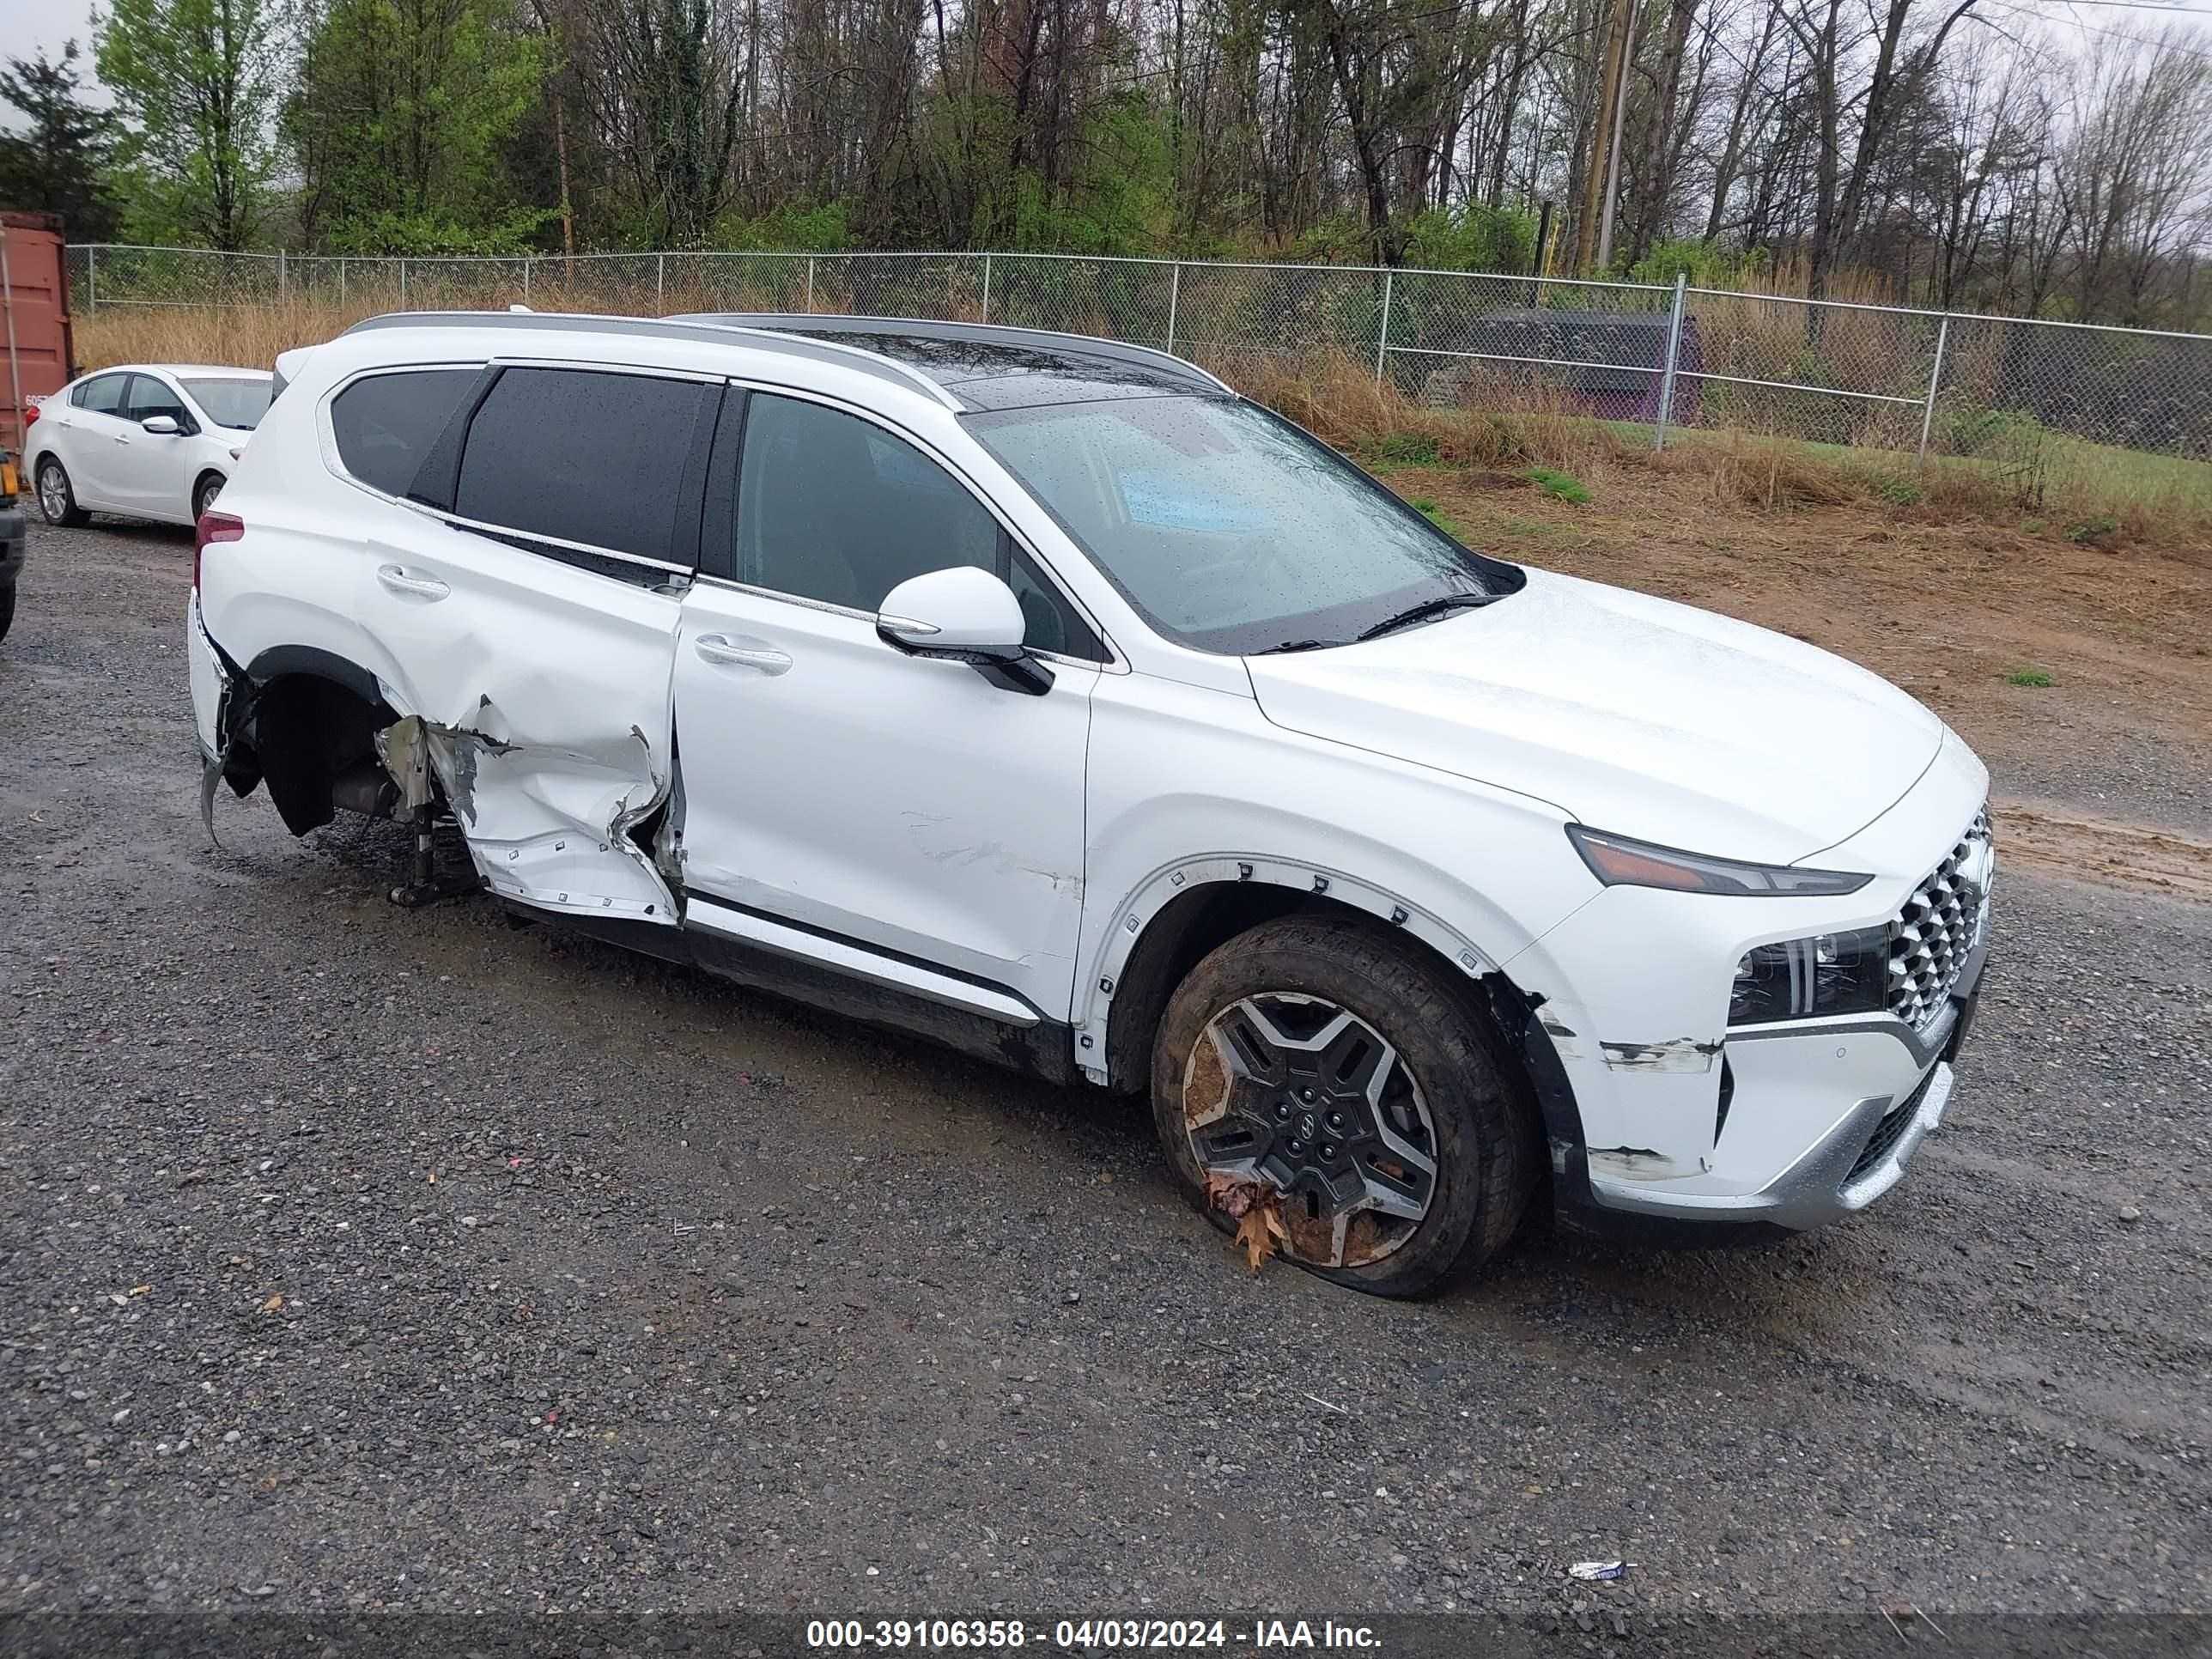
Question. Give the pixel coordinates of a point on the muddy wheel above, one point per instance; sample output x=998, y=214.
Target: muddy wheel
x=1326, y=1072
x=57, y=499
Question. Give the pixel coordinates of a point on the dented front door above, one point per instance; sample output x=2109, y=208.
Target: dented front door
x=543, y=693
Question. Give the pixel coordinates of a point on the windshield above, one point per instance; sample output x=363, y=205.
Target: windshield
x=232, y=403
x=1230, y=529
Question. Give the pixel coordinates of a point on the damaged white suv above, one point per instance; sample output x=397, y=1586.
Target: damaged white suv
x=1039, y=695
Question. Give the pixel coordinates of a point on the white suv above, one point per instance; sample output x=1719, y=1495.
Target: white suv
x=1039, y=695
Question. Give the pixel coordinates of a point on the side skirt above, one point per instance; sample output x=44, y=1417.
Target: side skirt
x=762, y=955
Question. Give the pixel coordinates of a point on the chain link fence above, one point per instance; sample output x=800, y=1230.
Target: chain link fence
x=2025, y=397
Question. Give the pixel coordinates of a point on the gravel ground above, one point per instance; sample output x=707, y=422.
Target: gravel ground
x=358, y=1258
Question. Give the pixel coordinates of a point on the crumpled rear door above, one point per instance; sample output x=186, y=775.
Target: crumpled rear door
x=541, y=704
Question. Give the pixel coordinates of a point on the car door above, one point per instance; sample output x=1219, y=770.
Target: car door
x=525, y=605
x=154, y=471
x=89, y=422
x=848, y=793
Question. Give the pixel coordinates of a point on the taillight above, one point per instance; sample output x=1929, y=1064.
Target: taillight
x=213, y=527
x=30, y=416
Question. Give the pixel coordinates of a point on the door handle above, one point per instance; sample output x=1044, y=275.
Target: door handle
x=397, y=580
x=720, y=648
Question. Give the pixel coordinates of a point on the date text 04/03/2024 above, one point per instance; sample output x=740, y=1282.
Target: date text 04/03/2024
x=1091, y=1634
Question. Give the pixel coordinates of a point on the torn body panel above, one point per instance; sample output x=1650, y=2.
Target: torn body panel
x=548, y=825
x=544, y=696
x=1684, y=1055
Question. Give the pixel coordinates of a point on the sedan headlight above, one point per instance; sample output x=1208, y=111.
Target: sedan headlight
x=1829, y=974
x=1618, y=861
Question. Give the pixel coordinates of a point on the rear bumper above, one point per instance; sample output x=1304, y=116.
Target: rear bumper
x=210, y=679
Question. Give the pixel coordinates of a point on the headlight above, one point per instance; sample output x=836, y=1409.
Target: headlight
x=1830, y=974
x=1619, y=862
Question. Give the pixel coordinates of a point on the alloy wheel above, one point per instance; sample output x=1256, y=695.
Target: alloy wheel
x=1305, y=1099
x=54, y=492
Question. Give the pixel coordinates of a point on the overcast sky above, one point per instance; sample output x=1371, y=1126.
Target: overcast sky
x=30, y=26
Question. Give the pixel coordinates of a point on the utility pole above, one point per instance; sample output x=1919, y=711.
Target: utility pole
x=1597, y=176
x=1613, y=150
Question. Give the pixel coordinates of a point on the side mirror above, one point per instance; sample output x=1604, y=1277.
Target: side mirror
x=161, y=425
x=964, y=615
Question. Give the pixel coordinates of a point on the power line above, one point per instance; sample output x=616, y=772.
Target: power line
x=2146, y=5
x=2132, y=39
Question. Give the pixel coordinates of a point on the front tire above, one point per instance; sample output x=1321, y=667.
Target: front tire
x=57, y=497
x=7, y=609
x=1338, y=1075
x=203, y=495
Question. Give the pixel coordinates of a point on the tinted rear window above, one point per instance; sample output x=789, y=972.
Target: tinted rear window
x=579, y=455
x=103, y=396
x=386, y=423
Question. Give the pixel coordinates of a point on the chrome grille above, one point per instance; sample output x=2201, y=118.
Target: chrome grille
x=1941, y=924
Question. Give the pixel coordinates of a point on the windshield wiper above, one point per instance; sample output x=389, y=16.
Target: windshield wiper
x=1424, y=610
x=1297, y=644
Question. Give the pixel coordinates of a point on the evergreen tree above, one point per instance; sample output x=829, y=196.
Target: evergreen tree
x=61, y=162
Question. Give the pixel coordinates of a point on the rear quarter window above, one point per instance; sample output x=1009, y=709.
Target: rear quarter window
x=384, y=424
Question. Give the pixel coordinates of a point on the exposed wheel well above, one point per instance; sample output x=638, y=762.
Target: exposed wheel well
x=302, y=731
x=1196, y=922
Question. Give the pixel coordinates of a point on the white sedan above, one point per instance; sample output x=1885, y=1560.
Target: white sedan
x=154, y=441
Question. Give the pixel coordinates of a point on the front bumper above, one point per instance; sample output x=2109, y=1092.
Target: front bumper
x=1668, y=1125
x=1861, y=1157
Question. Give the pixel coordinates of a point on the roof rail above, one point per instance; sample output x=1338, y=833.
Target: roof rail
x=933, y=328
x=672, y=328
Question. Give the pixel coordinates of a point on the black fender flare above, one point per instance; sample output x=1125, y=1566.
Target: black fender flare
x=278, y=660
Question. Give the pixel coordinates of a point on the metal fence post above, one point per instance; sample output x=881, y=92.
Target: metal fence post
x=810, y=284
x=1382, y=335
x=342, y=282
x=92, y=281
x=527, y=261
x=1673, y=353
x=660, y=279
x=283, y=277
x=1174, y=299
x=986, y=285
x=1935, y=385
x=402, y=284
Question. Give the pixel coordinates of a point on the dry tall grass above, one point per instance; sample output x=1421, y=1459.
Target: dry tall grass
x=1496, y=423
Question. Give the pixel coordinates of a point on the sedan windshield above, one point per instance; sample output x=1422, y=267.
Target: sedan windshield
x=1232, y=531
x=232, y=403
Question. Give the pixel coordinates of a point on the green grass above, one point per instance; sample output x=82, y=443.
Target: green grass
x=2029, y=677
x=2075, y=468
x=1408, y=448
x=1561, y=486
x=1436, y=516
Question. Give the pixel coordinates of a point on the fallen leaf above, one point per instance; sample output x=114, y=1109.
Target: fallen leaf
x=1261, y=1230
x=1231, y=1194
x=274, y=1304
x=141, y=1290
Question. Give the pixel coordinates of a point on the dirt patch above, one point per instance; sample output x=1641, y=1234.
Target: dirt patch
x=2100, y=850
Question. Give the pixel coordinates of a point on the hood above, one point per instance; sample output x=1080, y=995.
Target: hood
x=1631, y=713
